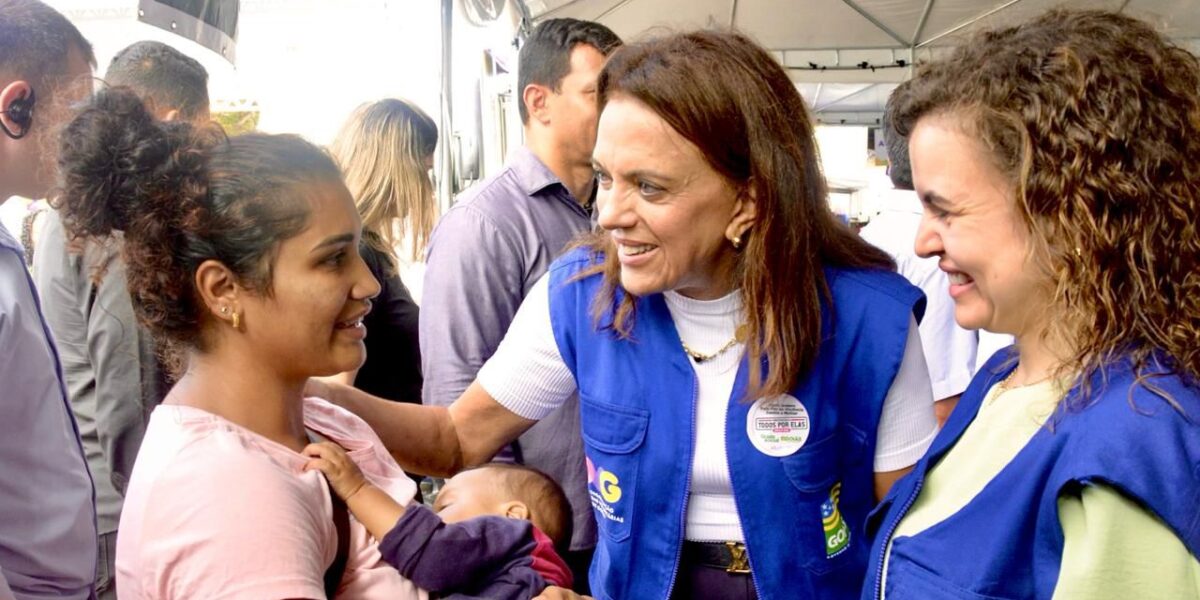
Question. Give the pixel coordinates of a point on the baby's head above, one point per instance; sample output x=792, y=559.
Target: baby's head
x=507, y=490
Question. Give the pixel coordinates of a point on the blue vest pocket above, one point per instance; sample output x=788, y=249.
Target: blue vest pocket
x=612, y=434
x=825, y=534
x=813, y=468
x=907, y=580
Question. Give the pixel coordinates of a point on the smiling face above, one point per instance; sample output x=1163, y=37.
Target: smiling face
x=972, y=225
x=669, y=213
x=311, y=323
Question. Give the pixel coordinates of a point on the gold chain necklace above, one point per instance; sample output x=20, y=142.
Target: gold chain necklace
x=738, y=336
x=1006, y=385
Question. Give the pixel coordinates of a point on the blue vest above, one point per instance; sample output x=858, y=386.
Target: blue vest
x=1008, y=541
x=638, y=403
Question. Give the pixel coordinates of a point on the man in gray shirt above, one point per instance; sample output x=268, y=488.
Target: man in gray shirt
x=47, y=511
x=501, y=236
x=114, y=378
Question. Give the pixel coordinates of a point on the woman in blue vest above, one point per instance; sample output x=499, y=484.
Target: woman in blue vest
x=1059, y=164
x=749, y=373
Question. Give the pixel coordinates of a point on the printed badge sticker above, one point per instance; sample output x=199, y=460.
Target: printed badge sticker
x=778, y=426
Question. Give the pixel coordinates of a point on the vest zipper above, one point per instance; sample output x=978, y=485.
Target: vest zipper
x=687, y=488
x=916, y=491
x=745, y=539
x=887, y=539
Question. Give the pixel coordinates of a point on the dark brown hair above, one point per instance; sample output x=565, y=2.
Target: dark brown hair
x=182, y=195
x=166, y=77
x=545, y=57
x=729, y=97
x=1095, y=120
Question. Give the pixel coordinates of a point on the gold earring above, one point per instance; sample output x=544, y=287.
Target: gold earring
x=737, y=242
x=224, y=310
x=237, y=321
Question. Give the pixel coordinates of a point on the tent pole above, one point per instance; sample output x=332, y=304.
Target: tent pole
x=614, y=8
x=865, y=88
x=446, y=186
x=967, y=23
x=921, y=24
x=558, y=8
x=876, y=22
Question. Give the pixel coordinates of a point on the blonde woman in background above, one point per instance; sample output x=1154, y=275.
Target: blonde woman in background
x=385, y=151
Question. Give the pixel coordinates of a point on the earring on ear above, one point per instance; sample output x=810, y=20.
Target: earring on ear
x=737, y=242
x=237, y=321
x=224, y=310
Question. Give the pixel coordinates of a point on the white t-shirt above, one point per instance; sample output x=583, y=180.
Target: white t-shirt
x=528, y=376
x=217, y=511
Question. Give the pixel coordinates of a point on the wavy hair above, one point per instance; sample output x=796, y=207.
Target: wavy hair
x=733, y=101
x=1094, y=118
x=382, y=149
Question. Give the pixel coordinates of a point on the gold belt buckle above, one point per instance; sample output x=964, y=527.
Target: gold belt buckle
x=739, y=563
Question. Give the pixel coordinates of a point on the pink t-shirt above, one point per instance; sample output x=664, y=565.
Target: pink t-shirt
x=215, y=511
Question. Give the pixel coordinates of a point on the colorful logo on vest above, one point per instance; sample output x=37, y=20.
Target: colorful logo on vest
x=837, y=531
x=605, y=491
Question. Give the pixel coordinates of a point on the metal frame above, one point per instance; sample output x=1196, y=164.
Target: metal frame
x=967, y=23
x=876, y=22
x=866, y=87
x=903, y=44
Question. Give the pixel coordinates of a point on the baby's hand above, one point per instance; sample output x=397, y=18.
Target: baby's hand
x=329, y=458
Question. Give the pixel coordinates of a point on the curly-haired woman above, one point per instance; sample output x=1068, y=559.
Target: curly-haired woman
x=1058, y=164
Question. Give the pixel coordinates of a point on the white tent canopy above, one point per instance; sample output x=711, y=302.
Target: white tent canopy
x=842, y=34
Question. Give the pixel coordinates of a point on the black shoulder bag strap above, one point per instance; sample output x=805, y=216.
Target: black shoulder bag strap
x=341, y=524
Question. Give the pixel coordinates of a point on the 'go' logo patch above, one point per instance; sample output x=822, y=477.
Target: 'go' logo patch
x=609, y=485
x=604, y=488
x=837, y=531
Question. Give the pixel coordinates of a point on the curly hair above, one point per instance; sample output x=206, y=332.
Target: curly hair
x=1094, y=118
x=728, y=96
x=182, y=195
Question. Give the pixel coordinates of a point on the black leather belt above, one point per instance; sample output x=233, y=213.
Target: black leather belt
x=730, y=556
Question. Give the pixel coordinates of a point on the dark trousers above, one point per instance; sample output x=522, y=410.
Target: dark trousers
x=106, y=572
x=579, y=561
x=700, y=578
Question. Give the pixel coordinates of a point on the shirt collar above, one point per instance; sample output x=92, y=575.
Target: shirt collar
x=532, y=173
x=535, y=178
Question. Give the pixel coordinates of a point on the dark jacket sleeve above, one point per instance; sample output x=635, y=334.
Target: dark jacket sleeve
x=393, y=366
x=112, y=340
x=518, y=581
x=485, y=557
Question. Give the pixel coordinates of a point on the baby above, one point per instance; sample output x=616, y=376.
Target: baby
x=494, y=535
